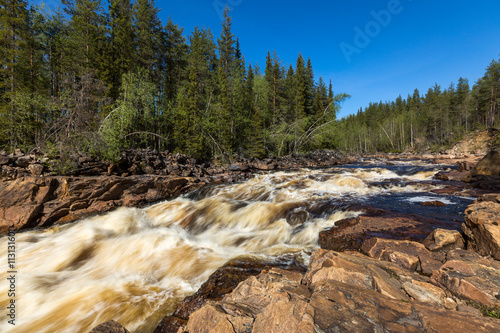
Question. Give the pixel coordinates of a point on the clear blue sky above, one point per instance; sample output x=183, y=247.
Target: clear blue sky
x=425, y=42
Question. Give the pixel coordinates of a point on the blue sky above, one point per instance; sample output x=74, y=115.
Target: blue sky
x=422, y=43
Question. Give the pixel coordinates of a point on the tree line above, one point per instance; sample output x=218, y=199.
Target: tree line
x=100, y=79
x=435, y=120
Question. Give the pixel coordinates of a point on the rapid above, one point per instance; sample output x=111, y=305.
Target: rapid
x=134, y=265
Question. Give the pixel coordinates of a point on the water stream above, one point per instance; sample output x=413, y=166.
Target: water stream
x=134, y=265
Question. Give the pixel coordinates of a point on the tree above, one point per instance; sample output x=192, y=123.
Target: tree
x=122, y=42
x=225, y=46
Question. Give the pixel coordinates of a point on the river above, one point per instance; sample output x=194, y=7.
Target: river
x=135, y=265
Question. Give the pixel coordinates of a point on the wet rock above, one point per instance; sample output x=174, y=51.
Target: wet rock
x=433, y=203
x=349, y=234
x=443, y=239
x=470, y=276
x=282, y=301
x=297, y=217
x=482, y=228
x=109, y=327
x=454, y=175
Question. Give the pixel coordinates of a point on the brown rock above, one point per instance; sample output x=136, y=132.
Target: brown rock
x=220, y=283
x=482, y=228
x=35, y=169
x=277, y=301
x=471, y=277
x=349, y=234
x=407, y=254
x=433, y=203
x=488, y=166
x=30, y=202
x=109, y=327
x=442, y=239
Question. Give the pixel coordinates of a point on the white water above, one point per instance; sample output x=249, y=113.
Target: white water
x=135, y=265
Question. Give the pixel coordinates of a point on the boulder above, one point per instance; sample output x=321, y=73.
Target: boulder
x=110, y=326
x=35, y=169
x=482, y=228
x=488, y=166
x=443, y=239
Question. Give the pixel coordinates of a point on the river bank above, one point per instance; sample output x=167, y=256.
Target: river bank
x=278, y=207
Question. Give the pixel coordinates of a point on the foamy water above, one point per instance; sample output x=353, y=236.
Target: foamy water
x=134, y=265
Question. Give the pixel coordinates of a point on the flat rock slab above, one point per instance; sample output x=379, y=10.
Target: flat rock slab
x=470, y=276
x=282, y=301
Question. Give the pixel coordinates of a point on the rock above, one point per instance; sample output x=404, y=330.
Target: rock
x=149, y=170
x=35, y=169
x=23, y=161
x=433, y=203
x=4, y=159
x=425, y=292
x=349, y=234
x=471, y=277
x=407, y=254
x=85, y=159
x=31, y=202
x=297, y=216
x=282, y=301
x=464, y=166
x=220, y=283
x=482, y=228
x=488, y=166
x=442, y=239
x=110, y=326
x=454, y=175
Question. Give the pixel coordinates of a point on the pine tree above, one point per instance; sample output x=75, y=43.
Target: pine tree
x=13, y=40
x=122, y=43
x=225, y=46
x=148, y=34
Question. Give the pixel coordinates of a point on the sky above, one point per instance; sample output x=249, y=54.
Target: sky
x=373, y=50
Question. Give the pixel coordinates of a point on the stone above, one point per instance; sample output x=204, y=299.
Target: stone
x=279, y=301
x=23, y=161
x=110, y=326
x=433, y=203
x=425, y=292
x=443, y=239
x=35, y=169
x=471, y=277
x=482, y=228
x=349, y=234
x=31, y=202
x=488, y=166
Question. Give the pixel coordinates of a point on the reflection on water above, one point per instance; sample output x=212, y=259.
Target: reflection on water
x=135, y=265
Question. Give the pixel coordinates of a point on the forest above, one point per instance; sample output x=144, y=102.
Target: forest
x=98, y=78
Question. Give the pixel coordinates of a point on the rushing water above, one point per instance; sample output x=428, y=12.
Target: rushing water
x=134, y=265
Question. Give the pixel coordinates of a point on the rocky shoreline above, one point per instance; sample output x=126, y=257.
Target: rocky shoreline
x=376, y=272
x=34, y=196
